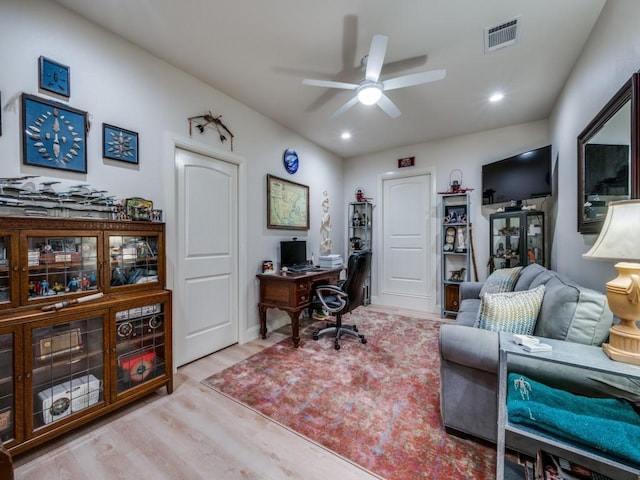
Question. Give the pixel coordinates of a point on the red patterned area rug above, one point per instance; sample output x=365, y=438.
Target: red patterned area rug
x=375, y=404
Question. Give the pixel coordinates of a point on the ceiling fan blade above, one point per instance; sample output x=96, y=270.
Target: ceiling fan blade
x=399, y=66
x=329, y=84
x=345, y=107
x=414, y=79
x=375, y=60
x=388, y=106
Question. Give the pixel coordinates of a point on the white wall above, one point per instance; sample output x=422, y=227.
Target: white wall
x=608, y=60
x=610, y=57
x=120, y=84
x=467, y=153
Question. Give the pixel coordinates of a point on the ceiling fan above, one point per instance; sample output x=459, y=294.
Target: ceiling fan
x=371, y=90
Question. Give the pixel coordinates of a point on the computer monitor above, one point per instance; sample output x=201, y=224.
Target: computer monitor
x=293, y=252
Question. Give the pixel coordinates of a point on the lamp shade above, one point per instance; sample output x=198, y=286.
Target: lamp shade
x=619, y=239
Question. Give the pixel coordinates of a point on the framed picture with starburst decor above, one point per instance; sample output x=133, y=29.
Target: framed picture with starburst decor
x=54, y=135
x=119, y=144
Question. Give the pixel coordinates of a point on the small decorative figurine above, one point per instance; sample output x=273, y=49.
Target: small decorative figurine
x=73, y=285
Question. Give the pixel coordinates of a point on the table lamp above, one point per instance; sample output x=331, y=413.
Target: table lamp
x=619, y=241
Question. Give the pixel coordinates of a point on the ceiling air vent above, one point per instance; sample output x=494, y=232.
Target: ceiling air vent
x=501, y=36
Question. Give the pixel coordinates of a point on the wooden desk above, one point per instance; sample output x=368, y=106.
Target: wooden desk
x=291, y=292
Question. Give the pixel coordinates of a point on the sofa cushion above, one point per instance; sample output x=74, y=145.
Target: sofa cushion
x=573, y=313
x=468, y=312
x=529, y=274
x=501, y=280
x=514, y=312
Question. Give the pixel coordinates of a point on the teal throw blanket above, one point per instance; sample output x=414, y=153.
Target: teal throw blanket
x=609, y=425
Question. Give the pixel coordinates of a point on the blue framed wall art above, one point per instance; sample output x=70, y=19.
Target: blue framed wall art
x=54, y=77
x=54, y=135
x=119, y=144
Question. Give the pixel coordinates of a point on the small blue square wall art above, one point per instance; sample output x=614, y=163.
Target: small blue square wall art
x=119, y=144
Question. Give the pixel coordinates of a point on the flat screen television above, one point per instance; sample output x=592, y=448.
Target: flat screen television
x=293, y=252
x=518, y=178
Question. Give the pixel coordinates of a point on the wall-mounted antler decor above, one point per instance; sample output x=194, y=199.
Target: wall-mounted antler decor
x=209, y=121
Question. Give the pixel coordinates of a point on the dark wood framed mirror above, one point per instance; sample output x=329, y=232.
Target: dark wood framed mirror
x=608, y=157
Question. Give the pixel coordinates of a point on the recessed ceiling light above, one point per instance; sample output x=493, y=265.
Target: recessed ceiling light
x=496, y=97
x=345, y=135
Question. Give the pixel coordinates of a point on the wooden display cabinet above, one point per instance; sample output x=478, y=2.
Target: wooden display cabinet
x=60, y=368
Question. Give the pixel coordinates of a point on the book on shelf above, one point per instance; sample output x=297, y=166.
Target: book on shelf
x=553, y=467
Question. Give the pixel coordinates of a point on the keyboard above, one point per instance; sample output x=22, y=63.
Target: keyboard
x=301, y=268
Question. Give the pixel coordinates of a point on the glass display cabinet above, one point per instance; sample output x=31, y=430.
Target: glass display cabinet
x=133, y=259
x=8, y=269
x=360, y=236
x=60, y=263
x=67, y=355
x=8, y=393
x=516, y=239
x=67, y=366
x=140, y=339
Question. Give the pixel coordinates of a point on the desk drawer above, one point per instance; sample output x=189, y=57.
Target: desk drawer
x=302, y=292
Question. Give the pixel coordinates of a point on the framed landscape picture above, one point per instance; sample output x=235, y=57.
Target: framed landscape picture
x=119, y=144
x=54, y=135
x=287, y=204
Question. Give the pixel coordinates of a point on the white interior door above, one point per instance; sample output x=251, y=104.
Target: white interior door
x=206, y=295
x=406, y=257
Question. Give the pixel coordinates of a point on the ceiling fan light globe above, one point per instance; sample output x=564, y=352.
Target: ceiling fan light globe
x=369, y=94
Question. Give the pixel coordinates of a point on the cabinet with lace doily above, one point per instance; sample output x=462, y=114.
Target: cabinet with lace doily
x=359, y=231
x=455, y=250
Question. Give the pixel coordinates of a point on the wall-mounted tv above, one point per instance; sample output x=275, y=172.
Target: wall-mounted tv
x=518, y=178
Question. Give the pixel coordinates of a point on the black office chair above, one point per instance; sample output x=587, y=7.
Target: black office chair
x=345, y=298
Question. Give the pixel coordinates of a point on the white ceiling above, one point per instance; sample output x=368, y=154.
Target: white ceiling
x=259, y=51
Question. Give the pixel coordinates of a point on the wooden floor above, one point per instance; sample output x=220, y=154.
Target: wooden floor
x=194, y=433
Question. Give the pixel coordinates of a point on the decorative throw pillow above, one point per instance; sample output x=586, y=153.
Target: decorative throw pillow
x=515, y=312
x=501, y=280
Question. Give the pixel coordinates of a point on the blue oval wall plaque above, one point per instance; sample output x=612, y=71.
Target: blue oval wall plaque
x=290, y=159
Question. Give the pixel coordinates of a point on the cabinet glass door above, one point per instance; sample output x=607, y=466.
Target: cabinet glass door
x=7, y=263
x=133, y=260
x=68, y=367
x=505, y=241
x=140, y=345
x=7, y=387
x=535, y=239
x=60, y=265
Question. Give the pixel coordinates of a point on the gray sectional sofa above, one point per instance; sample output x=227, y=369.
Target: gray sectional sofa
x=469, y=355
